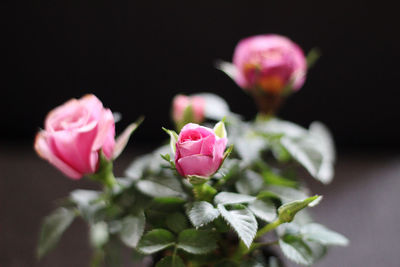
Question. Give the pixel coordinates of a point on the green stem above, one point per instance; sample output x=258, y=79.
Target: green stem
x=255, y=246
x=268, y=227
x=204, y=192
x=240, y=252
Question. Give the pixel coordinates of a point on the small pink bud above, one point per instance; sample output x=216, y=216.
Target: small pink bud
x=199, y=151
x=182, y=103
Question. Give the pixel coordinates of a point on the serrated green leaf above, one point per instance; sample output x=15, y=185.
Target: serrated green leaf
x=197, y=241
x=287, y=211
x=296, y=250
x=53, y=227
x=170, y=261
x=161, y=186
x=263, y=209
x=232, y=198
x=177, y=222
x=155, y=240
x=242, y=221
x=132, y=229
x=321, y=234
x=201, y=213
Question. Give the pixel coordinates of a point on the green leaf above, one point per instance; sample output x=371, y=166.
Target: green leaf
x=286, y=194
x=132, y=229
x=321, y=234
x=173, y=138
x=177, y=222
x=219, y=130
x=161, y=186
x=53, y=227
x=228, y=68
x=98, y=234
x=155, y=240
x=88, y=203
x=247, y=143
x=242, y=221
x=197, y=241
x=201, y=213
x=216, y=107
x=326, y=147
x=250, y=183
x=170, y=261
x=136, y=169
x=232, y=198
x=263, y=209
x=296, y=250
x=272, y=178
x=287, y=211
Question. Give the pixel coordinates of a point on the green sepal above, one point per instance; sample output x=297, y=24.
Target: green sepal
x=287, y=211
x=204, y=191
x=220, y=130
x=104, y=174
x=173, y=139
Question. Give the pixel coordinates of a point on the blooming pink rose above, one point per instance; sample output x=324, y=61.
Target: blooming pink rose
x=181, y=102
x=199, y=151
x=74, y=134
x=269, y=62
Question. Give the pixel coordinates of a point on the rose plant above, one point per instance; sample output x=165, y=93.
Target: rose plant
x=219, y=194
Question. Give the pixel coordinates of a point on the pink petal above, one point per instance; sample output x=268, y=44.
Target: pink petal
x=75, y=148
x=189, y=148
x=197, y=165
x=44, y=151
x=106, y=131
x=208, y=145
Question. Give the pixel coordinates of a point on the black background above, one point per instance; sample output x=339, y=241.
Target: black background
x=136, y=55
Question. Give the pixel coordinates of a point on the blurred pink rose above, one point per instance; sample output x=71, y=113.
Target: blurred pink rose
x=199, y=151
x=181, y=102
x=269, y=62
x=73, y=135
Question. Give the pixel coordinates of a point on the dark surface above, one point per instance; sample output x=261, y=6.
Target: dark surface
x=136, y=55
x=362, y=203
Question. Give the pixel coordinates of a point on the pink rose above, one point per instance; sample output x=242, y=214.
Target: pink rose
x=74, y=134
x=182, y=102
x=199, y=151
x=270, y=63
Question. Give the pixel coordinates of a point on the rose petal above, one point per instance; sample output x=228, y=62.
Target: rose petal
x=75, y=148
x=197, y=165
x=44, y=151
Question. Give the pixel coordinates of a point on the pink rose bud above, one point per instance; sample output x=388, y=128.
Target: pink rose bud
x=74, y=134
x=200, y=150
x=181, y=115
x=269, y=63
